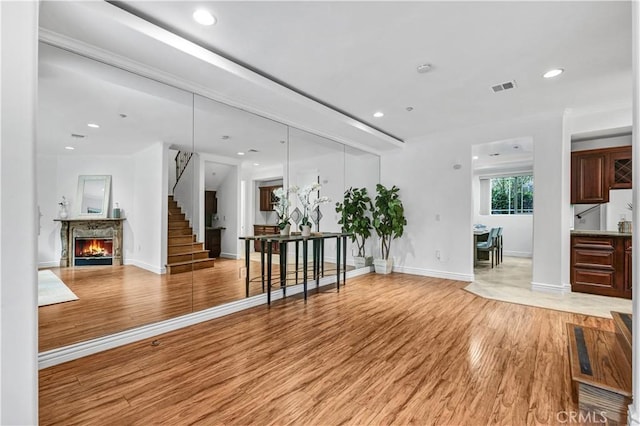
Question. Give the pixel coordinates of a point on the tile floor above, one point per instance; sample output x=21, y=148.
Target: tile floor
x=511, y=282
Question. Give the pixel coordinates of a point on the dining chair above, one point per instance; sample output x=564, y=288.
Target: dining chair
x=499, y=245
x=489, y=245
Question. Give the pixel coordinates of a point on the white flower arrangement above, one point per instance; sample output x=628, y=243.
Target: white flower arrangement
x=281, y=207
x=309, y=205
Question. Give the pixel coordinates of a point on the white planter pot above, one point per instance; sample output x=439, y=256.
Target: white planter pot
x=285, y=230
x=305, y=230
x=383, y=266
x=361, y=262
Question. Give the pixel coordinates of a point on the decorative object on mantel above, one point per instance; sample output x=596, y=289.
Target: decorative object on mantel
x=355, y=220
x=309, y=205
x=116, y=211
x=388, y=222
x=63, y=213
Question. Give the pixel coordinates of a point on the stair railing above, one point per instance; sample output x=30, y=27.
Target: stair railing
x=182, y=161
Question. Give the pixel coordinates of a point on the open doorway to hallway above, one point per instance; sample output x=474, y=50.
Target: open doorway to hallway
x=503, y=193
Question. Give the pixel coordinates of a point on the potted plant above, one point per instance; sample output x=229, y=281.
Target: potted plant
x=355, y=220
x=308, y=205
x=281, y=207
x=388, y=222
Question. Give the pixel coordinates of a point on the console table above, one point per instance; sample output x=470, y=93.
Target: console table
x=268, y=241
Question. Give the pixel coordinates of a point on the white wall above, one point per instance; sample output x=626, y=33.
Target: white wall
x=437, y=199
x=228, y=194
x=18, y=281
x=144, y=217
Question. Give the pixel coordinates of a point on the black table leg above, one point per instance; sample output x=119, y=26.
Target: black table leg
x=322, y=256
x=283, y=268
x=304, y=267
x=246, y=263
x=344, y=260
x=269, y=255
x=338, y=259
x=316, y=261
x=262, y=253
x=297, y=254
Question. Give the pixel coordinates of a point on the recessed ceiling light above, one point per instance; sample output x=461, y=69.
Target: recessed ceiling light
x=70, y=148
x=241, y=153
x=553, y=73
x=204, y=17
x=475, y=157
x=94, y=125
x=424, y=68
x=256, y=164
x=378, y=114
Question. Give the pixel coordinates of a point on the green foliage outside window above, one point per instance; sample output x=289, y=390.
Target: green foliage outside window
x=512, y=195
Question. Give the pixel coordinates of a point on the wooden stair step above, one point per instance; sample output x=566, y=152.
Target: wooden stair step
x=180, y=267
x=185, y=257
x=624, y=329
x=176, y=217
x=180, y=232
x=600, y=372
x=181, y=239
x=185, y=248
x=179, y=225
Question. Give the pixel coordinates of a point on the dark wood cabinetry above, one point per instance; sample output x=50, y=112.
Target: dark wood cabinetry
x=601, y=264
x=266, y=230
x=210, y=202
x=267, y=199
x=213, y=241
x=596, y=171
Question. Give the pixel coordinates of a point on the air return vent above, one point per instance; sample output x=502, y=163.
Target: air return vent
x=504, y=86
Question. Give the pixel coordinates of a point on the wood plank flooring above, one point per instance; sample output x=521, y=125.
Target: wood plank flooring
x=396, y=349
x=117, y=298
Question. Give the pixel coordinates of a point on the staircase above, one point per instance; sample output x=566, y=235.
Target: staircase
x=184, y=254
x=601, y=369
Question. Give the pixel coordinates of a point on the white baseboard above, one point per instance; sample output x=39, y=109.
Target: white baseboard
x=433, y=273
x=89, y=347
x=551, y=288
x=230, y=256
x=633, y=417
x=518, y=253
x=51, y=264
x=146, y=266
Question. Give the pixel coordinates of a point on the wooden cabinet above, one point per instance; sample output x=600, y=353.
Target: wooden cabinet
x=601, y=264
x=212, y=241
x=267, y=199
x=596, y=171
x=266, y=230
x=620, y=168
x=210, y=203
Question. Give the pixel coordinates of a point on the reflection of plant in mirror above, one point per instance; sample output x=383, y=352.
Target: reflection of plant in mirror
x=281, y=206
x=308, y=205
x=354, y=219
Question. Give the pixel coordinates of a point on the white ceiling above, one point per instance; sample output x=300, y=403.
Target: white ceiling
x=361, y=57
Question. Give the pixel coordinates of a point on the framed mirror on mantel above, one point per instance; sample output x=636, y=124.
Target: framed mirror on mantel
x=181, y=251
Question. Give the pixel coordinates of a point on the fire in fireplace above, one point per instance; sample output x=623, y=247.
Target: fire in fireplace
x=93, y=251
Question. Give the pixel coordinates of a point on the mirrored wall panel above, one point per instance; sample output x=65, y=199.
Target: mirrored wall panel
x=103, y=151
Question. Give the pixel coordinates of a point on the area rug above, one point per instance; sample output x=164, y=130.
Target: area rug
x=52, y=290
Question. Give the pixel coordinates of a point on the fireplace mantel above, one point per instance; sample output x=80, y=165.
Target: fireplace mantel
x=89, y=227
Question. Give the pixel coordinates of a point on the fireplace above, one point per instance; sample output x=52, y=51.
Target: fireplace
x=91, y=241
x=93, y=251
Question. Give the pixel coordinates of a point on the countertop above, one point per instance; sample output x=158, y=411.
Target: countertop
x=601, y=233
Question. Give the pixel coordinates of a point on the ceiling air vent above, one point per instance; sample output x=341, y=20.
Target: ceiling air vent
x=504, y=86
x=76, y=135
x=253, y=150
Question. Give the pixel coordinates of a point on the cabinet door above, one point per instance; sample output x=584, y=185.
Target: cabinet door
x=620, y=168
x=265, y=199
x=589, y=177
x=628, y=261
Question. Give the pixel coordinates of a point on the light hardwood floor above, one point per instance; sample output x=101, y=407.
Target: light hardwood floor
x=396, y=349
x=117, y=298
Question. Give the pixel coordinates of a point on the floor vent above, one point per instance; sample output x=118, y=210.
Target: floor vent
x=504, y=86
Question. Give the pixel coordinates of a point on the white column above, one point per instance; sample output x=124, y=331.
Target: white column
x=18, y=236
x=634, y=408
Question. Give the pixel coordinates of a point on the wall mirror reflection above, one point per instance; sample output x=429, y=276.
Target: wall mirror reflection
x=189, y=175
x=93, y=195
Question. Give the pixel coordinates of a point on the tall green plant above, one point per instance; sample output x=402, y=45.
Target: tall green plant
x=354, y=218
x=388, y=216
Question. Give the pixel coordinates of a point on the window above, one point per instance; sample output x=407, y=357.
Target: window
x=512, y=195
